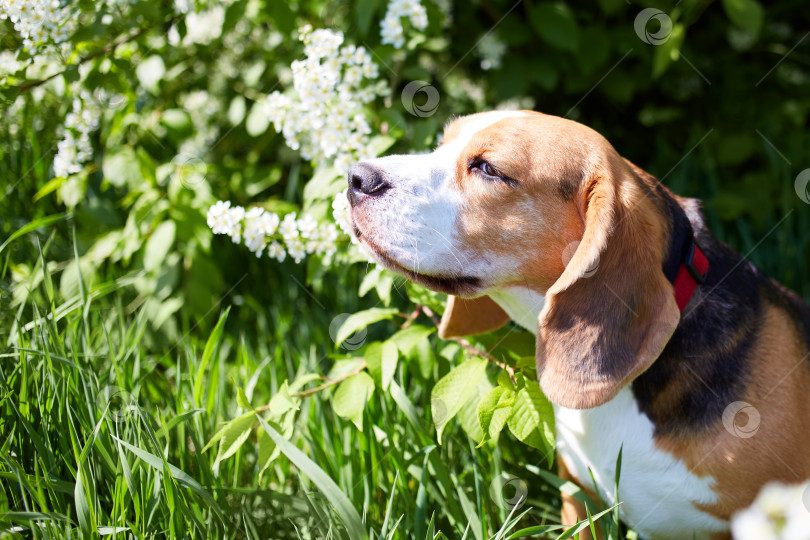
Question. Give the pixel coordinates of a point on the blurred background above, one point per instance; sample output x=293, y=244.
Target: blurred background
x=124, y=121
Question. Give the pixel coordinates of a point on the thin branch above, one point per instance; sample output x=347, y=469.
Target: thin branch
x=466, y=345
x=331, y=382
x=409, y=319
x=101, y=52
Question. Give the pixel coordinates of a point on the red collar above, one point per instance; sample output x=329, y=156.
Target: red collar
x=692, y=272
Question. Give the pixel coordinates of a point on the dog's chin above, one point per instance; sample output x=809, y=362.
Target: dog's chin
x=467, y=286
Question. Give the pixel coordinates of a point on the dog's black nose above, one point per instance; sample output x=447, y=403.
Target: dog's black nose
x=365, y=181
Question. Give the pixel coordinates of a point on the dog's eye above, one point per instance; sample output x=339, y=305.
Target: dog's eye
x=490, y=171
x=486, y=168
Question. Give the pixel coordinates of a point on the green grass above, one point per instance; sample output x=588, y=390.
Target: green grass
x=99, y=434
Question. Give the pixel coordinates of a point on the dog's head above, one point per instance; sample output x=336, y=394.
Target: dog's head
x=524, y=199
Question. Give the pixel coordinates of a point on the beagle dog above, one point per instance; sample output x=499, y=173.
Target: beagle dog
x=652, y=336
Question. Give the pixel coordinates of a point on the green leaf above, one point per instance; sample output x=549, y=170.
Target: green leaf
x=494, y=411
x=257, y=120
x=282, y=401
x=363, y=13
x=158, y=246
x=746, y=14
x=381, y=359
x=210, y=346
x=83, y=511
x=408, y=338
x=268, y=450
x=468, y=414
x=453, y=390
x=669, y=51
x=158, y=463
x=532, y=418
x=122, y=168
x=556, y=25
x=360, y=320
x=234, y=435
x=150, y=72
x=242, y=399
x=325, y=184
x=343, y=506
x=351, y=397
x=34, y=225
x=282, y=15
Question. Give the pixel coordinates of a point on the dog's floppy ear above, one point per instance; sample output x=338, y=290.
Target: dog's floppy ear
x=464, y=317
x=612, y=311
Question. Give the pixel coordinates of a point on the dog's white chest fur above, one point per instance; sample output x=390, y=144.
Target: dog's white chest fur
x=658, y=493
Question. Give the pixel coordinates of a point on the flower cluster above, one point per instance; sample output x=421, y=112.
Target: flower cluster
x=202, y=27
x=779, y=512
x=75, y=148
x=341, y=213
x=260, y=230
x=491, y=51
x=323, y=117
x=38, y=21
x=391, y=29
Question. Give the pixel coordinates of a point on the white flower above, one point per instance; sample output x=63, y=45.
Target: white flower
x=205, y=26
x=341, y=211
x=308, y=226
x=235, y=216
x=254, y=231
x=76, y=149
x=260, y=230
x=296, y=249
x=276, y=251
x=270, y=221
x=391, y=29
x=288, y=227
x=38, y=21
x=322, y=117
x=778, y=513
x=491, y=51
x=217, y=217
